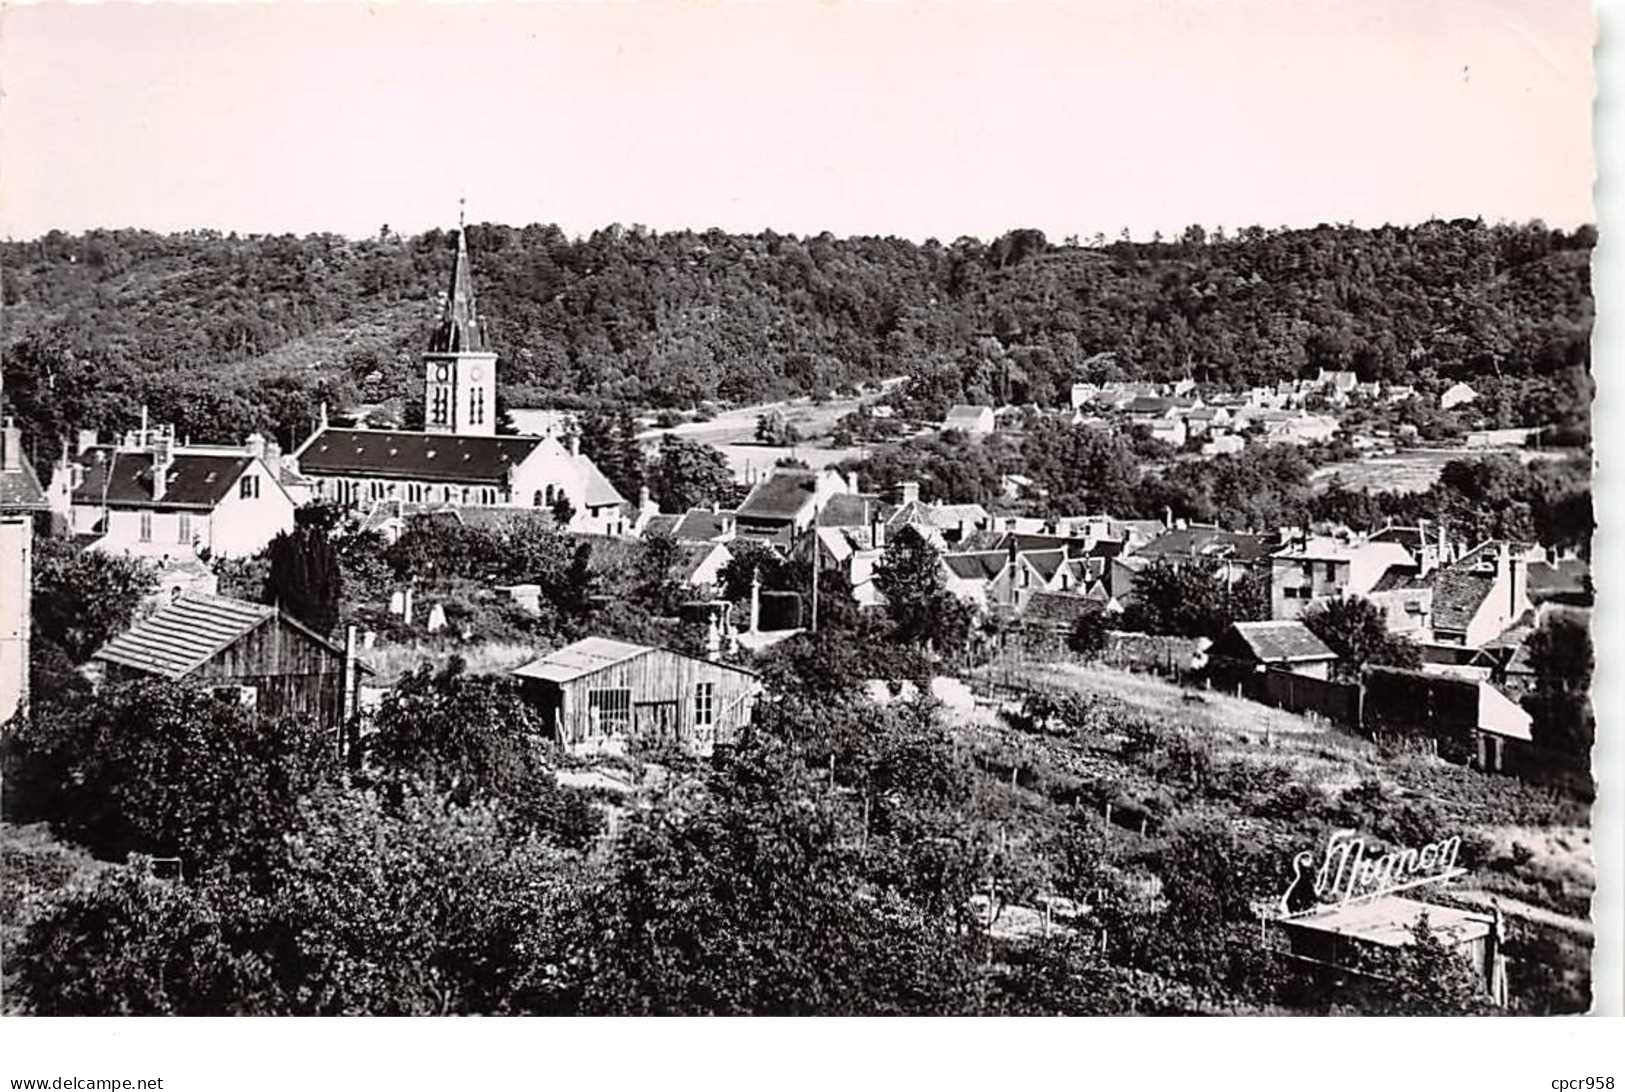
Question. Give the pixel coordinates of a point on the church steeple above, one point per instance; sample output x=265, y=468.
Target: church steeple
x=459, y=380
x=460, y=329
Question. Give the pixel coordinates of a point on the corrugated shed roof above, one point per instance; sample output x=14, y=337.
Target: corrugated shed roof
x=181, y=636
x=584, y=657
x=125, y=478
x=1282, y=642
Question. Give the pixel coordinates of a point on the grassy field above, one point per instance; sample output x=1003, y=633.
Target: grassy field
x=1414, y=470
x=1531, y=847
x=733, y=432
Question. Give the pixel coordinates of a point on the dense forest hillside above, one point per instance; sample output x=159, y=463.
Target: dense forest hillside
x=222, y=333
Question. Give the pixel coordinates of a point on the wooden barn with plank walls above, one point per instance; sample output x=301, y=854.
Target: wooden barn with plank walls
x=600, y=694
x=270, y=660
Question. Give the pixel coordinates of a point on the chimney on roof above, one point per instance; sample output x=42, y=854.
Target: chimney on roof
x=323, y=418
x=11, y=445
x=1167, y=515
x=163, y=454
x=255, y=445
x=910, y=491
x=574, y=444
x=88, y=438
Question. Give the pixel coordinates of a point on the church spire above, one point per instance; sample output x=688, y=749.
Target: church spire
x=460, y=329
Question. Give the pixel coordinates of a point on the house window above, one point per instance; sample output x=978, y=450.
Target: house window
x=183, y=528
x=705, y=708
x=249, y=487
x=146, y=526
x=1331, y=570
x=609, y=711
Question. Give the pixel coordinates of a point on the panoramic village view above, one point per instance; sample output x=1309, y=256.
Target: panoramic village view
x=490, y=621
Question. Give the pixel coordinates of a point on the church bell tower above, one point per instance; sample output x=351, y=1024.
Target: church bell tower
x=459, y=370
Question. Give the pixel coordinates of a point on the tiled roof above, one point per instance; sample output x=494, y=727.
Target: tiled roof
x=1282, y=642
x=981, y=565
x=584, y=657
x=781, y=496
x=423, y=456
x=1151, y=405
x=596, y=488
x=1059, y=609
x=183, y=635
x=1457, y=594
x=1046, y=562
x=19, y=488
x=692, y=555
x=702, y=525
x=193, y=480
x=850, y=510
x=1208, y=542
x=1401, y=578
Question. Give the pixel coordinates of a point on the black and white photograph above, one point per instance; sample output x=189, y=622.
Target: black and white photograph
x=796, y=509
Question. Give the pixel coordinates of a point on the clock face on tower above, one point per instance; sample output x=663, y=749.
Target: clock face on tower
x=476, y=373
x=440, y=373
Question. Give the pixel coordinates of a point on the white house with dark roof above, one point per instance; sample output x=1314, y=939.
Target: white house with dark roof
x=149, y=496
x=458, y=459
x=785, y=503
x=976, y=420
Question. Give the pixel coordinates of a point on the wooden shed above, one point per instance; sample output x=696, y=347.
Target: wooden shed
x=601, y=694
x=266, y=658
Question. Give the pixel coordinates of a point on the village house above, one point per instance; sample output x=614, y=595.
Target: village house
x=1457, y=394
x=458, y=458
x=785, y=503
x=1336, y=385
x=250, y=652
x=600, y=695
x=1203, y=419
x=1396, y=393
x=1481, y=595
x=1224, y=443
x=1083, y=394
x=973, y=420
x=1231, y=552
x=1319, y=569
x=711, y=524
x=149, y=496
x=1250, y=647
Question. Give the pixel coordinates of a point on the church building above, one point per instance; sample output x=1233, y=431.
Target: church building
x=458, y=459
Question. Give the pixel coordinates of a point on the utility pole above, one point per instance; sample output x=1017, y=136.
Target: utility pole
x=816, y=560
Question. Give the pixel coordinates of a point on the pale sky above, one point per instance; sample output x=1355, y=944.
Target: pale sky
x=868, y=118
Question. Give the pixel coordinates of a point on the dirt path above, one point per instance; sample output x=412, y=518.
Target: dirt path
x=1514, y=908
